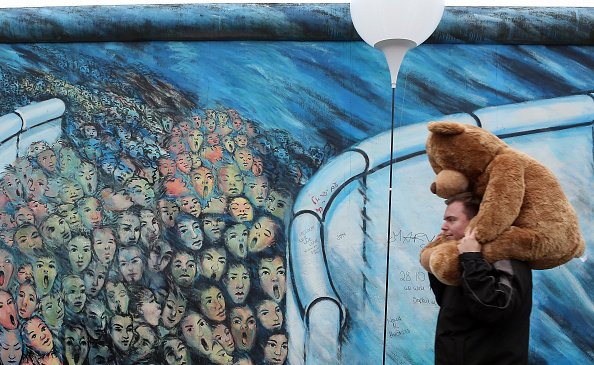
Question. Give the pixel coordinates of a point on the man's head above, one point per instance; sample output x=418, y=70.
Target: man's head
x=461, y=208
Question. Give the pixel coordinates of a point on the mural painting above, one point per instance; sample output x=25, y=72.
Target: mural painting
x=225, y=202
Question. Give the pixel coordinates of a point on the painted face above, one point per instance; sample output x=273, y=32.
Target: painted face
x=241, y=210
x=141, y=192
x=150, y=308
x=183, y=269
x=160, y=256
x=94, y=278
x=117, y=297
x=237, y=124
x=79, y=253
x=144, y=342
x=91, y=213
x=74, y=293
x=6, y=268
x=229, y=143
x=8, y=312
x=243, y=327
x=68, y=161
x=54, y=186
x=90, y=131
x=11, y=348
x=6, y=221
x=24, y=273
x=95, y=318
x=28, y=239
x=13, y=188
x=124, y=134
x=236, y=240
x=273, y=279
x=122, y=173
x=240, y=141
x=26, y=300
x=210, y=125
x=149, y=228
x=219, y=356
x=251, y=129
x=38, y=335
x=173, y=310
x=212, y=304
x=185, y=127
x=175, y=352
x=197, y=333
x=131, y=266
x=244, y=158
x=101, y=355
x=76, y=343
x=190, y=233
x=177, y=146
x=87, y=178
x=47, y=160
x=278, y=205
x=184, y=162
x=195, y=138
x=237, y=283
x=44, y=272
x=213, y=139
x=258, y=166
x=230, y=180
x=270, y=315
x=115, y=200
x=55, y=229
x=455, y=221
x=70, y=214
x=24, y=168
x=215, y=206
x=190, y=205
x=213, y=226
x=213, y=262
x=37, y=185
x=121, y=332
x=24, y=215
x=71, y=193
x=263, y=234
x=276, y=348
x=223, y=336
x=128, y=229
x=203, y=181
x=52, y=307
x=169, y=211
x=104, y=245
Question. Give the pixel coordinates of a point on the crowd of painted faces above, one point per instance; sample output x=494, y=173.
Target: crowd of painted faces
x=118, y=247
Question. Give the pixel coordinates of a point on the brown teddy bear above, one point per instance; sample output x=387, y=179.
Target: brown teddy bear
x=524, y=214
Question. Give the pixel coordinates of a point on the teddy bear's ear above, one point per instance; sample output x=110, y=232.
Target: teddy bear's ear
x=446, y=127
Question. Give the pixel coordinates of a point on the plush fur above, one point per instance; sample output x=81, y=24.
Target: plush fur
x=524, y=213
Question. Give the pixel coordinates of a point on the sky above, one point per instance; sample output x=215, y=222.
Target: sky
x=40, y=3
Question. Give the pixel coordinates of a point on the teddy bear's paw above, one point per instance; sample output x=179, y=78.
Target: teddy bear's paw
x=445, y=266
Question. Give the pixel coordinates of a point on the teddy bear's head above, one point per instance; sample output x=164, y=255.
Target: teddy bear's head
x=459, y=153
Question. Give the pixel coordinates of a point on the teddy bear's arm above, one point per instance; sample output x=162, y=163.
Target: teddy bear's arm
x=502, y=199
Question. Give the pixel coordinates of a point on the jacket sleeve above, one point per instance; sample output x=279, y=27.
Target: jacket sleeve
x=493, y=291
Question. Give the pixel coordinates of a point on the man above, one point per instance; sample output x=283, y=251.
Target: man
x=486, y=320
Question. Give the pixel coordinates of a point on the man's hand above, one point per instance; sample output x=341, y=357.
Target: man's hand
x=469, y=243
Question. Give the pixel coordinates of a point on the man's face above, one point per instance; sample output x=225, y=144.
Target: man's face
x=116, y=200
x=243, y=327
x=91, y=213
x=100, y=355
x=244, y=158
x=203, y=181
x=128, y=229
x=175, y=352
x=39, y=336
x=256, y=189
x=104, y=245
x=143, y=344
x=68, y=160
x=77, y=345
x=47, y=160
x=212, y=304
x=273, y=279
x=6, y=268
x=79, y=253
x=213, y=262
x=117, y=297
x=141, y=192
x=270, y=314
x=160, y=256
x=263, y=234
x=130, y=263
x=28, y=239
x=74, y=292
x=94, y=277
x=55, y=229
x=26, y=300
x=167, y=167
x=44, y=272
x=241, y=210
x=236, y=240
x=184, y=162
x=87, y=178
x=71, y=193
x=121, y=332
x=195, y=138
x=276, y=348
x=70, y=214
x=190, y=205
x=183, y=269
x=230, y=180
x=455, y=221
x=52, y=307
x=223, y=336
x=213, y=226
x=277, y=204
x=190, y=233
x=173, y=310
x=197, y=333
x=11, y=349
x=149, y=227
x=95, y=318
x=8, y=312
x=177, y=145
x=237, y=283
x=169, y=211
x=13, y=188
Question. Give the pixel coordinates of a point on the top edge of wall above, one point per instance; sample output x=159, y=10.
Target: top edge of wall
x=284, y=22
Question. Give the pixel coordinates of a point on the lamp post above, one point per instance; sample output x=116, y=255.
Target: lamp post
x=394, y=27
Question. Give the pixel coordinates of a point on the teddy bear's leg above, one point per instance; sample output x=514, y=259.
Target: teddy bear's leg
x=427, y=251
x=515, y=243
x=444, y=263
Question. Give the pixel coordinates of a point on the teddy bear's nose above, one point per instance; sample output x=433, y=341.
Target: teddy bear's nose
x=434, y=188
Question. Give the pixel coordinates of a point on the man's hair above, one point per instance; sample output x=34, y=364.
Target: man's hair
x=470, y=201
